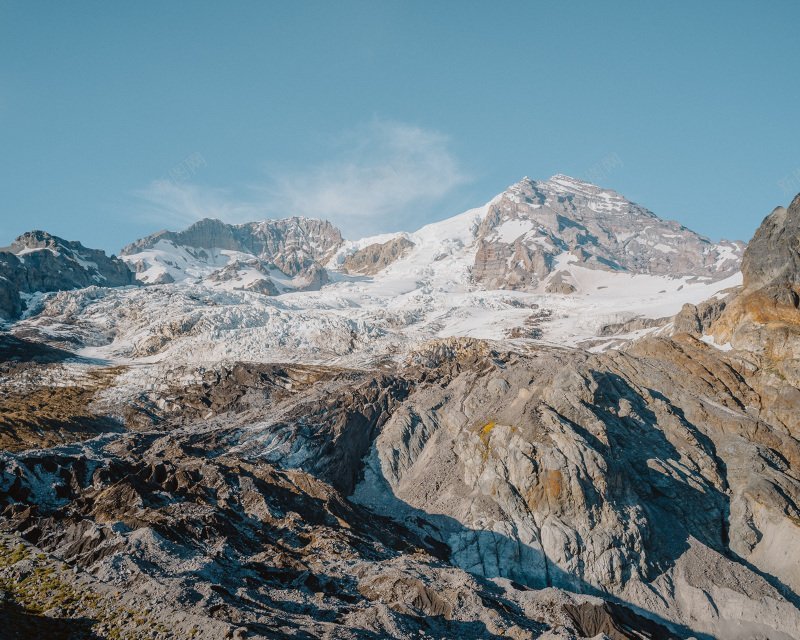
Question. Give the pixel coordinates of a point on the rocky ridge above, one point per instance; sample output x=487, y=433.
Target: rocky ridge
x=39, y=262
x=270, y=256
x=375, y=257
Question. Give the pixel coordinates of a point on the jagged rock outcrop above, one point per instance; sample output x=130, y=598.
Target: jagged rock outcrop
x=772, y=257
x=247, y=275
x=698, y=319
x=39, y=262
x=375, y=257
x=560, y=283
x=765, y=316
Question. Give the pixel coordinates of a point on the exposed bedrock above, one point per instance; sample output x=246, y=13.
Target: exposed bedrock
x=577, y=472
x=375, y=257
x=764, y=318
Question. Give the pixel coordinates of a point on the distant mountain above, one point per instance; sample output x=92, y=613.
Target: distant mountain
x=526, y=238
x=591, y=247
x=269, y=257
x=534, y=229
x=39, y=262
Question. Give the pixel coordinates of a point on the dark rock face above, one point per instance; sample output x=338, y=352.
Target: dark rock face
x=774, y=252
x=614, y=622
x=11, y=305
x=765, y=315
x=40, y=262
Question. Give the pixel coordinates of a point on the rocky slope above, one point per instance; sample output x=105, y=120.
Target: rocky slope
x=40, y=262
x=510, y=487
x=632, y=473
x=198, y=515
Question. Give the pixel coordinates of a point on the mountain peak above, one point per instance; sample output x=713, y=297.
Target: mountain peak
x=36, y=239
x=533, y=223
x=578, y=194
x=564, y=179
x=38, y=261
x=561, y=183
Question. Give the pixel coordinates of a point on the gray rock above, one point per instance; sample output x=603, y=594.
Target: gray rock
x=764, y=317
x=532, y=222
x=39, y=262
x=561, y=283
x=698, y=319
x=772, y=258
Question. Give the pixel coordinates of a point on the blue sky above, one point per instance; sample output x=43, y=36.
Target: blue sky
x=119, y=119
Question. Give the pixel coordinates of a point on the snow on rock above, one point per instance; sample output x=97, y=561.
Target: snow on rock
x=537, y=264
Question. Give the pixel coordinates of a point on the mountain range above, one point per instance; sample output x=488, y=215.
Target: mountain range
x=556, y=415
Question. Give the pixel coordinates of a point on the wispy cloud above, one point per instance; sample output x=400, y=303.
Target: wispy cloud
x=386, y=168
x=180, y=203
x=377, y=173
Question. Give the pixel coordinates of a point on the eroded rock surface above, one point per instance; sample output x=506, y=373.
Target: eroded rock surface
x=375, y=257
x=226, y=525
x=578, y=472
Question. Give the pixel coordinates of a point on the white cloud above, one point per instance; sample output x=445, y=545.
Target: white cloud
x=388, y=168
x=378, y=172
x=181, y=203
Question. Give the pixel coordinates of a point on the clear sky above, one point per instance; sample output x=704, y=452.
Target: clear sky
x=121, y=118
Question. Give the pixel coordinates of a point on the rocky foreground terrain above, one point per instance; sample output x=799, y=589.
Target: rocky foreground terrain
x=228, y=467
